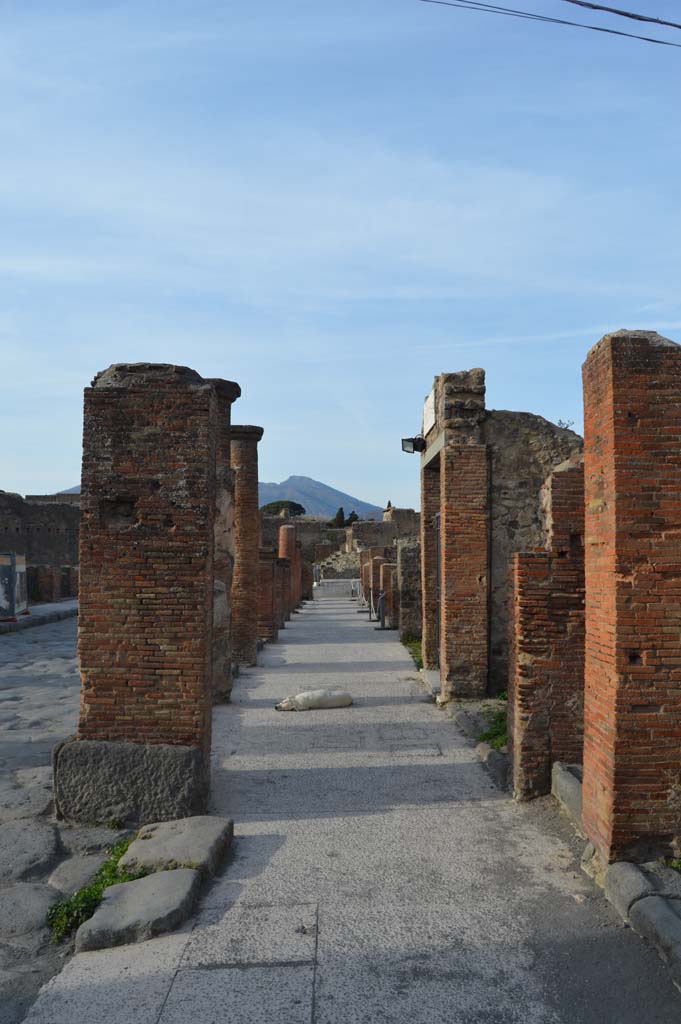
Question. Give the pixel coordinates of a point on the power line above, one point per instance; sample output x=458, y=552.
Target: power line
x=472, y=5
x=623, y=14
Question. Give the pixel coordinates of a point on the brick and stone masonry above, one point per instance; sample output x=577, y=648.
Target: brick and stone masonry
x=481, y=474
x=244, y=461
x=223, y=557
x=267, y=604
x=282, y=590
x=375, y=579
x=632, y=713
x=146, y=598
x=291, y=549
x=464, y=545
x=387, y=579
x=546, y=678
x=409, y=589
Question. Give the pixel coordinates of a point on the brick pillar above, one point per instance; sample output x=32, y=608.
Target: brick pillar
x=287, y=549
x=632, y=712
x=375, y=579
x=267, y=615
x=409, y=589
x=386, y=583
x=298, y=568
x=244, y=458
x=281, y=586
x=223, y=556
x=430, y=509
x=307, y=581
x=464, y=571
x=365, y=573
x=146, y=599
x=546, y=670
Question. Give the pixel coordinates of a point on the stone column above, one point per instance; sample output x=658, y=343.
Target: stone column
x=223, y=557
x=267, y=618
x=287, y=549
x=142, y=750
x=244, y=459
x=632, y=711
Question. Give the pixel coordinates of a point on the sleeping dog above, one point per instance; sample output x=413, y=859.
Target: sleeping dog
x=312, y=699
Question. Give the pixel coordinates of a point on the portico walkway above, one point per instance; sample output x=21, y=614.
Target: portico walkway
x=378, y=876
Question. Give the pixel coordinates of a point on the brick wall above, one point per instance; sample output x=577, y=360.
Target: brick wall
x=288, y=550
x=282, y=585
x=307, y=581
x=146, y=556
x=47, y=534
x=408, y=585
x=546, y=677
x=387, y=581
x=375, y=564
x=464, y=504
x=244, y=461
x=51, y=582
x=632, y=727
x=430, y=509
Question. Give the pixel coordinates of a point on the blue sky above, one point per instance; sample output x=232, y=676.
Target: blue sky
x=329, y=202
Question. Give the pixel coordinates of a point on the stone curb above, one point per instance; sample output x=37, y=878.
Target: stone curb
x=566, y=787
x=496, y=763
x=28, y=621
x=650, y=914
x=633, y=895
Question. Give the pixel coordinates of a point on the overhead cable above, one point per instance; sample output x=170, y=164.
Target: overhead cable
x=624, y=14
x=472, y=5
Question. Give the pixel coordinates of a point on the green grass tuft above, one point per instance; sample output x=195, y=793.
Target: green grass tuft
x=413, y=645
x=68, y=914
x=675, y=864
x=497, y=734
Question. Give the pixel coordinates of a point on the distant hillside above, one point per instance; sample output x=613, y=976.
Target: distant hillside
x=317, y=499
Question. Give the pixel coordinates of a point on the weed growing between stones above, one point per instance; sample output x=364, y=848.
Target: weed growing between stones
x=675, y=864
x=497, y=734
x=413, y=645
x=65, y=916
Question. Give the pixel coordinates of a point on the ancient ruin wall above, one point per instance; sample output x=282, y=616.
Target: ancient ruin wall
x=46, y=534
x=244, y=460
x=546, y=677
x=524, y=449
x=632, y=714
x=146, y=598
x=408, y=585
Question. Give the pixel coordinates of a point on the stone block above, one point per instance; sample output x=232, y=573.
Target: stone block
x=566, y=787
x=27, y=850
x=135, y=911
x=199, y=842
x=101, y=781
x=624, y=884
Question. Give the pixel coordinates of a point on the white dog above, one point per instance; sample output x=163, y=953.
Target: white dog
x=312, y=699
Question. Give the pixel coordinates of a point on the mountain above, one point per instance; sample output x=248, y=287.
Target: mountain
x=317, y=499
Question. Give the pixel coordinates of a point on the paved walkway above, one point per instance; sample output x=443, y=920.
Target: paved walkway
x=378, y=875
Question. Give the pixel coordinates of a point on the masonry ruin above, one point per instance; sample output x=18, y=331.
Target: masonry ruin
x=154, y=467
x=481, y=473
x=244, y=461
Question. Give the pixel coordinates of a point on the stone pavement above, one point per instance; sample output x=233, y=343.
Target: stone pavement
x=377, y=875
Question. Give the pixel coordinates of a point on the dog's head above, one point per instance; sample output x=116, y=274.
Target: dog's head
x=287, y=704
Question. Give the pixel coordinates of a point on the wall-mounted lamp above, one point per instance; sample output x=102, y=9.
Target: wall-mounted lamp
x=413, y=444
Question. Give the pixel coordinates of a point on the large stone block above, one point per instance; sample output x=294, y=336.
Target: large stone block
x=100, y=781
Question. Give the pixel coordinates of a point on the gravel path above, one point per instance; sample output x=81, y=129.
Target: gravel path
x=377, y=876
